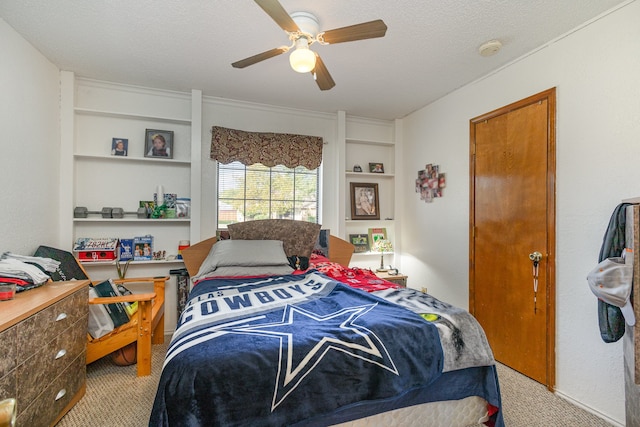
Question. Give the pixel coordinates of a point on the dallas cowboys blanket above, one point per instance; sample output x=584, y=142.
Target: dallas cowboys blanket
x=281, y=350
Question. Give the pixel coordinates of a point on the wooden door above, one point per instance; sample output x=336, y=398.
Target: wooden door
x=512, y=216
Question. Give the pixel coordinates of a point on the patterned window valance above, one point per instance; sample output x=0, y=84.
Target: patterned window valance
x=270, y=149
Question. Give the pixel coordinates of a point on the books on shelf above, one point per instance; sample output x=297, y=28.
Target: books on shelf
x=126, y=249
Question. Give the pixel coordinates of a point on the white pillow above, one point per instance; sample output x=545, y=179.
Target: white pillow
x=243, y=253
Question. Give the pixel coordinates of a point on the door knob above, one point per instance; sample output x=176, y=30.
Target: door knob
x=535, y=256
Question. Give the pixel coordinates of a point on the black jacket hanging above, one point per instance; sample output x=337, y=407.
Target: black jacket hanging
x=610, y=317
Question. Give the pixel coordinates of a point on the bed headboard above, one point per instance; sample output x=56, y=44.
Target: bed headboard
x=340, y=250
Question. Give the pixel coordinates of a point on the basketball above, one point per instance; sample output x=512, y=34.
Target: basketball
x=125, y=356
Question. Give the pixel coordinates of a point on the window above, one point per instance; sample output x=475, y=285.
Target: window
x=259, y=192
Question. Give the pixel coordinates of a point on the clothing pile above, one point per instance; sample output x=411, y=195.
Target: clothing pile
x=26, y=272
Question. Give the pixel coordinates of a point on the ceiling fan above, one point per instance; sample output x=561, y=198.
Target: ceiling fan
x=302, y=29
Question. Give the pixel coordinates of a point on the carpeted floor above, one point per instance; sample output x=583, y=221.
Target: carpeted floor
x=116, y=397
x=527, y=403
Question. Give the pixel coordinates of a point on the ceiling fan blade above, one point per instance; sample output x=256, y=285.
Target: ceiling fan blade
x=274, y=9
x=322, y=76
x=366, y=30
x=259, y=57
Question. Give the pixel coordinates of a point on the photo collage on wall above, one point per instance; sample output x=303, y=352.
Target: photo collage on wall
x=430, y=183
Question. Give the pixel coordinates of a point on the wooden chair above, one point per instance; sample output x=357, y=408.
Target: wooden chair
x=146, y=326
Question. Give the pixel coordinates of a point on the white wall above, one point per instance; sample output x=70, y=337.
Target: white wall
x=596, y=72
x=263, y=118
x=30, y=145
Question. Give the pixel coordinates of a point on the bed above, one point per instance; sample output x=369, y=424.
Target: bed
x=279, y=331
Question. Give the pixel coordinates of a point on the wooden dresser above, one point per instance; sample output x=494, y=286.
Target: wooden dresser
x=43, y=335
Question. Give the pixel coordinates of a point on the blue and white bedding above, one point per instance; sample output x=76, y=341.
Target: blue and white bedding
x=307, y=350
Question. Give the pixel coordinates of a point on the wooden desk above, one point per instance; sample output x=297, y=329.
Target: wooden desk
x=399, y=278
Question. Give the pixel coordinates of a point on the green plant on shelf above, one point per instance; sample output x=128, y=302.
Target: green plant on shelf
x=159, y=211
x=122, y=269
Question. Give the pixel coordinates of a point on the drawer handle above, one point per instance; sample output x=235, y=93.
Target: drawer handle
x=61, y=394
x=61, y=353
x=61, y=316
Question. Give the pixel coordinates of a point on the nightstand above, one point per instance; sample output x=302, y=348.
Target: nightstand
x=399, y=278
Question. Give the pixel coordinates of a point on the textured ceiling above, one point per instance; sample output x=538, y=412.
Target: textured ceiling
x=430, y=48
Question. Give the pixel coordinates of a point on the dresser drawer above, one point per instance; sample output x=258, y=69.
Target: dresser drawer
x=8, y=386
x=46, y=364
x=53, y=399
x=36, y=331
x=9, y=351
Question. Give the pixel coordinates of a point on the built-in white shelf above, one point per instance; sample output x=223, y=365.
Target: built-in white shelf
x=132, y=159
x=153, y=220
x=123, y=115
x=154, y=262
x=369, y=142
x=380, y=222
x=369, y=174
x=368, y=253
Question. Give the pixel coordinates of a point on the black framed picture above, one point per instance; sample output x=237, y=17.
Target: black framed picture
x=119, y=146
x=158, y=144
x=364, y=201
x=360, y=241
x=376, y=167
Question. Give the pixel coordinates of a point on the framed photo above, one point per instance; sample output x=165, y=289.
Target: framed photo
x=364, y=201
x=360, y=241
x=142, y=248
x=158, y=143
x=119, y=146
x=376, y=168
x=376, y=234
x=148, y=206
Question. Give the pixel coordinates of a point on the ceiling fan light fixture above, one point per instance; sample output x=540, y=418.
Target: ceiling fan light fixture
x=302, y=30
x=303, y=59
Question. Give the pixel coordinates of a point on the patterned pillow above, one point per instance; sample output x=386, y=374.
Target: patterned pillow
x=298, y=237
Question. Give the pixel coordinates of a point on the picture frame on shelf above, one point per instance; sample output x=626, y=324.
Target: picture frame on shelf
x=148, y=205
x=360, y=241
x=365, y=202
x=119, y=146
x=375, y=234
x=158, y=144
x=376, y=167
x=143, y=248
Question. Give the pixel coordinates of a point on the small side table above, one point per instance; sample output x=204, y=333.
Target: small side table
x=399, y=278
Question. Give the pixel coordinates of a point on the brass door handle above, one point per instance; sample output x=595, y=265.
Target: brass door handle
x=535, y=256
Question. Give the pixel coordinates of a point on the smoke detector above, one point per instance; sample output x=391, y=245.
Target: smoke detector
x=490, y=48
